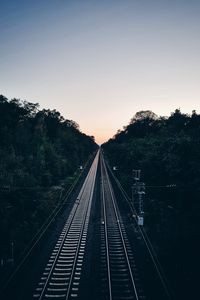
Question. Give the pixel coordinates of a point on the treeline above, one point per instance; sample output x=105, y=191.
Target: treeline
x=167, y=151
x=39, y=150
x=38, y=147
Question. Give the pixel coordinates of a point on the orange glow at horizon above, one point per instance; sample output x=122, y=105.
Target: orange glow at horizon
x=99, y=136
x=101, y=139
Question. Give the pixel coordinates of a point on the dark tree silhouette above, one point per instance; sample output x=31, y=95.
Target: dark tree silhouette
x=39, y=150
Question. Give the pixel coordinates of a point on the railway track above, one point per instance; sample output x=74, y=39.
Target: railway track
x=61, y=277
x=120, y=280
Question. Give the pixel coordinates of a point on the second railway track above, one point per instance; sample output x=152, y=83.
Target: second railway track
x=119, y=273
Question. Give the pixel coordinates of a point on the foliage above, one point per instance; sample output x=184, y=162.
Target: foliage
x=38, y=149
x=167, y=150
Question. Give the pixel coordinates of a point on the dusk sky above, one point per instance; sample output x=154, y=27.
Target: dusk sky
x=99, y=62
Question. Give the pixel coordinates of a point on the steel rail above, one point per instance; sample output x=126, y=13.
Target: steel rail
x=70, y=220
x=147, y=242
x=117, y=215
x=86, y=220
x=69, y=224
x=106, y=236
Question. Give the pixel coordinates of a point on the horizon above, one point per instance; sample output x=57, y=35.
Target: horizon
x=101, y=140
x=98, y=63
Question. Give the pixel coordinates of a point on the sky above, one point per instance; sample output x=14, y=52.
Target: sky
x=99, y=62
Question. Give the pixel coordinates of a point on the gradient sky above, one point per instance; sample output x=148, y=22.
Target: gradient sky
x=99, y=62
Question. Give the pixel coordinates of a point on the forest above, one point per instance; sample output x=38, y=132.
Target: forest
x=40, y=157
x=167, y=151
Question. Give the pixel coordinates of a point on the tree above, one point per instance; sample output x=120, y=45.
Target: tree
x=143, y=114
x=38, y=149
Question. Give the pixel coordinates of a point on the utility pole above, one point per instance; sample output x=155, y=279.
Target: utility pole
x=138, y=193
